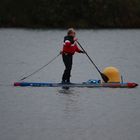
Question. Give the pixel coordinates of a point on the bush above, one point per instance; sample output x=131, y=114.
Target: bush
x=66, y=13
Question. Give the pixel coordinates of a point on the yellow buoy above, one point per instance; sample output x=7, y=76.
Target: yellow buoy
x=113, y=74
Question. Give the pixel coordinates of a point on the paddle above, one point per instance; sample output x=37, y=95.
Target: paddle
x=104, y=77
x=40, y=68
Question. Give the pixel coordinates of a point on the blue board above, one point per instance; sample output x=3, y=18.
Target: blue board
x=89, y=84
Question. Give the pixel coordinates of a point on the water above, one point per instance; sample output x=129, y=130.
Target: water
x=80, y=113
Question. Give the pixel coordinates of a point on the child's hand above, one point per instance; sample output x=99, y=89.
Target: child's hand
x=75, y=39
x=82, y=51
x=61, y=52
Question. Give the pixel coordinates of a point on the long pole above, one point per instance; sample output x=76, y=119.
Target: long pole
x=104, y=77
x=40, y=68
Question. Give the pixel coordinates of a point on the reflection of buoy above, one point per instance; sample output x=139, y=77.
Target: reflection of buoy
x=113, y=74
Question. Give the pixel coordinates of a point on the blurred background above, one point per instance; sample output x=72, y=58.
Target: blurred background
x=66, y=13
x=34, y=36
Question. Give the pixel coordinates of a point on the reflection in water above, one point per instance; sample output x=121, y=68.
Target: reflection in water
x=70, y=102
x=66, y=91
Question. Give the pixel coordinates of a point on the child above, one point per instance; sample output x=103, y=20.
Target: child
x=69, y=48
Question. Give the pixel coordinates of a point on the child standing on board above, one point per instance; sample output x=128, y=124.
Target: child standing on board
x=69, y=48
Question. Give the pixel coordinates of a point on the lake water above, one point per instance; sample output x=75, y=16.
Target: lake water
x=80, y=113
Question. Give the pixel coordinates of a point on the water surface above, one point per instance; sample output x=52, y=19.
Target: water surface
x=80, y=113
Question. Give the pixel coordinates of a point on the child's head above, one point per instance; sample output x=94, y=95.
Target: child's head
x=71, y=32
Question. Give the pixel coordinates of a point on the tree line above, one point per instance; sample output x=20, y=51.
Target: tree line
x=70, y=13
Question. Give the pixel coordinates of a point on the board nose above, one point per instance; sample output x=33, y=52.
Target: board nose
x=132, y=85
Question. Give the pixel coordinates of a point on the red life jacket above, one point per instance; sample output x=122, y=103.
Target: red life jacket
x=70, y=46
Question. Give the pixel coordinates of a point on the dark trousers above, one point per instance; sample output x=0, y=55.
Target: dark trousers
x=67, y=59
